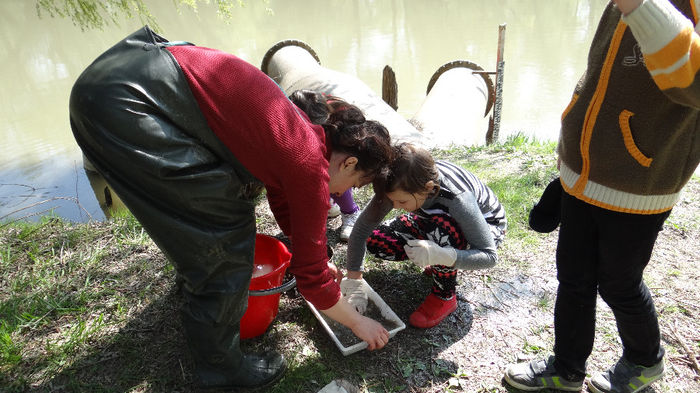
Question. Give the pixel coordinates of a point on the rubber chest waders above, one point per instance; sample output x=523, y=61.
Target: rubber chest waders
x=135, y=118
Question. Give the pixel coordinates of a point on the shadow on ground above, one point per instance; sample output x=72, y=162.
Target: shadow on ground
x=148, y=354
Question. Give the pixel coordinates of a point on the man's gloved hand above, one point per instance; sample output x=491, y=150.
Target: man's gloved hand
x=354, y=291
x=425, y=253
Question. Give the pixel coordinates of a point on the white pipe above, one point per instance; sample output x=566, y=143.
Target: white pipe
x=295, y=68
x=453, y=111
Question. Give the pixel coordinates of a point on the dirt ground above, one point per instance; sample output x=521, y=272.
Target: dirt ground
x=505, y=314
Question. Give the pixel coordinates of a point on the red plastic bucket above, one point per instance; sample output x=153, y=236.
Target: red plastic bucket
x=265, y=289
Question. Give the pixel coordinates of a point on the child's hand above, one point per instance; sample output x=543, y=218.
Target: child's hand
x=355, y=293
x=627, y=6
x=425, y=253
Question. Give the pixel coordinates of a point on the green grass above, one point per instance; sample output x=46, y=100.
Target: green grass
x=517, y=190
x=91, y=307
x=57, y=292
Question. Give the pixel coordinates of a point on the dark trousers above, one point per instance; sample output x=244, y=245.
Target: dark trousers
x=135, y=119
x=604, y=252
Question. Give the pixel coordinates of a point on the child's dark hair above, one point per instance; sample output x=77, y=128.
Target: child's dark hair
x=410, y=170
x=347, y=130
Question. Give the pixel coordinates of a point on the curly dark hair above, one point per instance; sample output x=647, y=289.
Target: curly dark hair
x=411, y=168
x=347, y=130
x=312, y=103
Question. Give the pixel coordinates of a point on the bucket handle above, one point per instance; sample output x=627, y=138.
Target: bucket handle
x=272, y=291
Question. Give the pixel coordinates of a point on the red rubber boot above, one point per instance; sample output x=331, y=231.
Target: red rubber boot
x=432, y=311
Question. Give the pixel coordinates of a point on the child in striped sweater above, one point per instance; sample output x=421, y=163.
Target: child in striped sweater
x=452, y=221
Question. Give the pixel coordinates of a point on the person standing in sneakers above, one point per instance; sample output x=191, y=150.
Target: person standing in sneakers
x=629, y=143
x=454, y=221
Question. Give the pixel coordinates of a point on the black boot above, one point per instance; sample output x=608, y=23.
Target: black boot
x=253, y=371
x=219, y=362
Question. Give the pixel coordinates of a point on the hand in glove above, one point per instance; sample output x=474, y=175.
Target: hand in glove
x=355, y=293
x=425, y=253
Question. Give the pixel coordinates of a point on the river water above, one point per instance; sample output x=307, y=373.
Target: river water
x=546, y=43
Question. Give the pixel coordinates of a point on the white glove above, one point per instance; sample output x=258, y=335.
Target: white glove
x=425, y=253
x=355, y=293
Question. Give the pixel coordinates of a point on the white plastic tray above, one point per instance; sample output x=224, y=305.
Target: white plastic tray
x=386, y=311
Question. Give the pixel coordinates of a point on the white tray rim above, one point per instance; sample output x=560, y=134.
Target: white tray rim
x=380, y=303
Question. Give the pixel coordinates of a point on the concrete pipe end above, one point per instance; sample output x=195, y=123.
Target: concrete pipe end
x=271, y=52
x=472, y=66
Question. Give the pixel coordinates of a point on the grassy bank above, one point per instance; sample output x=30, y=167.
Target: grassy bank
x=94, y=307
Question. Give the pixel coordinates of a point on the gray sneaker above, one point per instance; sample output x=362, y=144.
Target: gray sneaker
x=537, y=375
x=347, y=225
x=625, y=377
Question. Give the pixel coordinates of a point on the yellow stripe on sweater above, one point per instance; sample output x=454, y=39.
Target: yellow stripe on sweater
x=632, y=148
x=611, y=199
x=568, y=108
x=594, y=108
x=615, y=208
x=681, y=77
x=677, y=63
x=672, y=52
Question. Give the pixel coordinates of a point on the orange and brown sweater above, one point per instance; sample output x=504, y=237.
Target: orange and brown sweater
x=629, y=139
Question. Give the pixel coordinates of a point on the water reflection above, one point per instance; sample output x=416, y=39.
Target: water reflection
x=546, y=45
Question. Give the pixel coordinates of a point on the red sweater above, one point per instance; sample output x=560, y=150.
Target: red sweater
x=278, y=145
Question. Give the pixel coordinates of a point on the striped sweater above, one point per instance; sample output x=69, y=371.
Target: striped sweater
x=629, y=138
x=474, y=206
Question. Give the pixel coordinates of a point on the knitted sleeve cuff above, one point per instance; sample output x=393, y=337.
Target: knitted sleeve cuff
x=655, y=23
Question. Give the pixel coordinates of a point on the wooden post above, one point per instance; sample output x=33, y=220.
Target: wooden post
x=500, y=65
x=389, y=87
